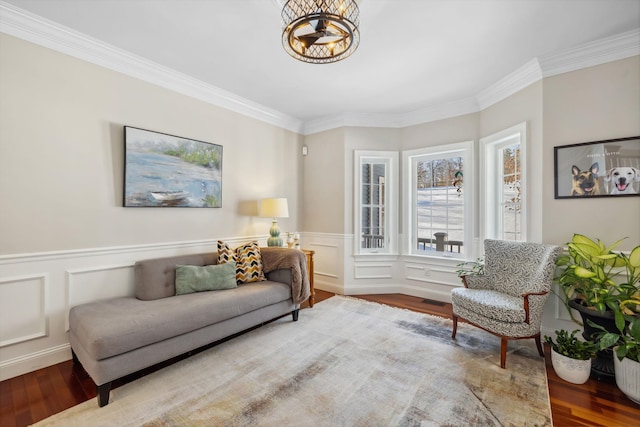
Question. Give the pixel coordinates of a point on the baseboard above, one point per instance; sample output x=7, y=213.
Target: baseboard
x=34, y=361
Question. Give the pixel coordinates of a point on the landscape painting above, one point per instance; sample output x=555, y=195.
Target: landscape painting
x=169, y=171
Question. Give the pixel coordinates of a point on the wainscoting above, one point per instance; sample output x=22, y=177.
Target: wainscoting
x=37, y=291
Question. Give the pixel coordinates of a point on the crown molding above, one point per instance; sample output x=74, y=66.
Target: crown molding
x=27, y=26
x=35, y=29
x=609, y=49
x=392, y=120
x=512, y=83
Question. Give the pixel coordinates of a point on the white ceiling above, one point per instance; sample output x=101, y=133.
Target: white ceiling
x=413, y=54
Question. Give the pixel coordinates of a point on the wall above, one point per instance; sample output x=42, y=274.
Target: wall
x=64, y=236
x=592, y=104
x=595, y=103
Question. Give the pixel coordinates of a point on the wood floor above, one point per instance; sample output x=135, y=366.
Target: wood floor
x=39, y=394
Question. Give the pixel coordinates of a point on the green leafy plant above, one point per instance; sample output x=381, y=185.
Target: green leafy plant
x=471, y=268
x=569, y=345
x=627, y=339
x=587, y=273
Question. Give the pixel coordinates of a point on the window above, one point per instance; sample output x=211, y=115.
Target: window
x=503, y=189
x=374, y=202
x=439, y=189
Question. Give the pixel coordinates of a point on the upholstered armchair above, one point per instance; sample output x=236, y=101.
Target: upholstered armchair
x=508, y=299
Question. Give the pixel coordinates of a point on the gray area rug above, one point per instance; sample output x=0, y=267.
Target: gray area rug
x=346, y=362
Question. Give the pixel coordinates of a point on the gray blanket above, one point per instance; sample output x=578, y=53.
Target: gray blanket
x=293, y=259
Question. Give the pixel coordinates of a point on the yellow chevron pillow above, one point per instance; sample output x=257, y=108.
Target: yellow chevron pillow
x=248, y=261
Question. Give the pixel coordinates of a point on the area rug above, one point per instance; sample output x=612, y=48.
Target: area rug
x=346, y=362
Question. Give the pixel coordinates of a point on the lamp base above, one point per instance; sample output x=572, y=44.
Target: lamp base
x=274, y=231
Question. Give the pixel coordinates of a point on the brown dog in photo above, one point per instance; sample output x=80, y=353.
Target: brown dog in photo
x=585, y=183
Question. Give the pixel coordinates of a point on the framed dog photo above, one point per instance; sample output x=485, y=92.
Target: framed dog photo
x=609, y=168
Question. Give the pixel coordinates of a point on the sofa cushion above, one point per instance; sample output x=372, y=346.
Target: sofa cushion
x=194, y=278
x=156, y=278
x=248, y=261
x=114, y=326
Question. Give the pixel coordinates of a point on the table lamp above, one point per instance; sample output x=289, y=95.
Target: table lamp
x=274, y=208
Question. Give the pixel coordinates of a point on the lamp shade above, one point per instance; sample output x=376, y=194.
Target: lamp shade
x=274, y=208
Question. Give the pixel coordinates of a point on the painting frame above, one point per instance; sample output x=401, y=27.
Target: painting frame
x=164, y=170
x=607, y=168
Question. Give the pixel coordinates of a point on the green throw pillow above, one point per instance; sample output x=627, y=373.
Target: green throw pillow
x=193, y=278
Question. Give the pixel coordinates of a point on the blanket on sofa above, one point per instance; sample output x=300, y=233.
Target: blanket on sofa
x=296, y=262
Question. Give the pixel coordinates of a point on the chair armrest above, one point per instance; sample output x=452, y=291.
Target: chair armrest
x=526, y=302
x=475, y=281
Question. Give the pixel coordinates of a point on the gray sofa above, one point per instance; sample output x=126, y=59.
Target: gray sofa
x=116, y=337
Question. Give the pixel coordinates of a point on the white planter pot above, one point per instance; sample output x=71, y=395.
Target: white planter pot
x=628, y=377
x=571, y=370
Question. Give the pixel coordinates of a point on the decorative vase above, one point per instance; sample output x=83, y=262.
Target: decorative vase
x=602, y=365
x=628, y=377
x=571, y=370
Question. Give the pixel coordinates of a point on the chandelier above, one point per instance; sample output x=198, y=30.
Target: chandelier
x=320, y=31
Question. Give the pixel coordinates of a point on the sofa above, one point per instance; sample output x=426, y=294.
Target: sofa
x=115, y=337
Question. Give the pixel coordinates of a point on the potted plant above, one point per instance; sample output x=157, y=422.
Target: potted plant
x=470, y=268
x=571, y=357
x=626, y=346
x=594, y=280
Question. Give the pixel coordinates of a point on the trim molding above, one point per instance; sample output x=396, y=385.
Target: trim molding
x=74, y=253
x=609, y=49
x=33, y=28
x=43, y=321
x=36, y=29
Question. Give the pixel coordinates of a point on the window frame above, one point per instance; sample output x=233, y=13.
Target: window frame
x=490, y=210
x=409, y=191
x=390, y=224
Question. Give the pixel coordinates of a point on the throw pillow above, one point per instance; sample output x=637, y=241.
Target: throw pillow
x=193, y=278
x=248, y=261
x=225, y=253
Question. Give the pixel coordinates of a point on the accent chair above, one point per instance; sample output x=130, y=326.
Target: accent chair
x=508, y=299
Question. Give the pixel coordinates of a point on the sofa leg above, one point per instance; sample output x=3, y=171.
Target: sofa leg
x=103, y=393
x=295, y=314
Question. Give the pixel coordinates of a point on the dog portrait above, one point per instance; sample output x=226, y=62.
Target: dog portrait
x=622, y=180
x=585, y=183
x=609, y=168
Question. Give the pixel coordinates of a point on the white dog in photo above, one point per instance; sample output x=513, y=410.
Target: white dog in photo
x=622, y=179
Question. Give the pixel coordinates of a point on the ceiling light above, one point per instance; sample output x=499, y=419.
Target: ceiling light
x=320, y=31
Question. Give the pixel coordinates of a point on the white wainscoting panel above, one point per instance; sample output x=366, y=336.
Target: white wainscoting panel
x=23, y=308
x=38, y=289
x=97, y=283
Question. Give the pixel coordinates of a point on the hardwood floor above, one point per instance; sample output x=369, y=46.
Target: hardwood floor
x=34, y=396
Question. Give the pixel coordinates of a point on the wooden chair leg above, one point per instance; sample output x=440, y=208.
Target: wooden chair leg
x=503, y=351
x=539, y=345
x=455, y=326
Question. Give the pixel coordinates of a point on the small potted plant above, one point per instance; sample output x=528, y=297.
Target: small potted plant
x=571, y=357
x=626, y=346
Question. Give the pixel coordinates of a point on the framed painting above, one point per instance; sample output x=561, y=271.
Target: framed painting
x=164, y=170
x=609, y=168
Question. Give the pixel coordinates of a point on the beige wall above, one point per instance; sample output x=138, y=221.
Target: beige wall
x=324, y=175
x=592, y=104
x=524, y=106
x=61, y=158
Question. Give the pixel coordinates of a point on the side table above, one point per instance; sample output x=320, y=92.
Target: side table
x=312, y=293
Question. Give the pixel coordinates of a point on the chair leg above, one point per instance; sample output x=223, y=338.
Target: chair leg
x=503, y=351
x=539, y=345
x=455, y=326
